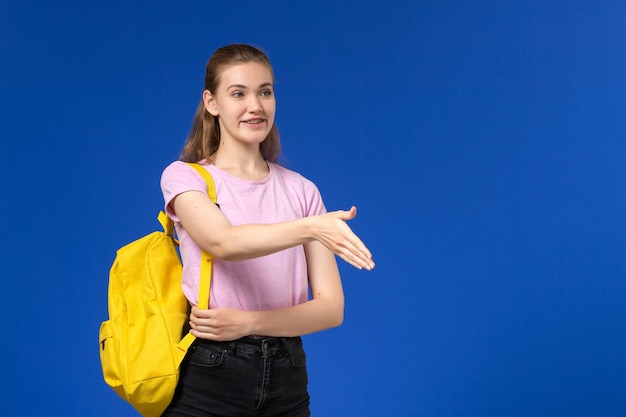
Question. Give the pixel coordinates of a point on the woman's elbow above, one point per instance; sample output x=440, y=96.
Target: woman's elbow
x=338, y=321
x=225, y=254
x=219, y=250
x=336, y=317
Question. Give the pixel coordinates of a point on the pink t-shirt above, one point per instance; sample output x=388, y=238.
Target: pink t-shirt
x=267, y=283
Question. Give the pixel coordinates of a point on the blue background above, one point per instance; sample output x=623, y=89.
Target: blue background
x=483, y=143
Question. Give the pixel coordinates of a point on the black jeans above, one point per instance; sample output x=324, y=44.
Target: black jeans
x=247, y=377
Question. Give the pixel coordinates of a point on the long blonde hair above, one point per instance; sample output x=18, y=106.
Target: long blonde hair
x=204, y=138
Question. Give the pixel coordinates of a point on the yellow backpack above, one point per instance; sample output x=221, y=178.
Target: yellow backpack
x=140, y=345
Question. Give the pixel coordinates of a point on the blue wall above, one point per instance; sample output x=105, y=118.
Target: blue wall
x=483, y=143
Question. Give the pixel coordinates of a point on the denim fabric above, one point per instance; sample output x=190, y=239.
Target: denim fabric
x=248, y=377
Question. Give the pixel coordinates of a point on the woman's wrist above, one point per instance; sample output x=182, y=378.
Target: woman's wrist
x=254, y=323
x=309, y=228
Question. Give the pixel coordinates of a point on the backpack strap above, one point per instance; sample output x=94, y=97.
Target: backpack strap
x=206, y=265
x=207, y=178
x=207, y=258
x=166, y=222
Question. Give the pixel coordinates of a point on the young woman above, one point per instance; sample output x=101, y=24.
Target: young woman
x=271, y=239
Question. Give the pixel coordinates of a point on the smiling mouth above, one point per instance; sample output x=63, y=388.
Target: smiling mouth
x=254, y=121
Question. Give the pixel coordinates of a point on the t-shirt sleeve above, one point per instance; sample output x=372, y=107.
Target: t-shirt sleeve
x=176, y=179
x=314, y=205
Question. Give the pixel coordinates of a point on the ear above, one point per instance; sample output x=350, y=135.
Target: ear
x=209, y=103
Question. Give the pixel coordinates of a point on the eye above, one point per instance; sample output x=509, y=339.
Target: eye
x=237, y=94
x=266, y=93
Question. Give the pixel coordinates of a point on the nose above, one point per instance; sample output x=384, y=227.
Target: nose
x=254, y=104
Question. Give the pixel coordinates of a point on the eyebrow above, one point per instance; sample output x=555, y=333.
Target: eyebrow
x=245, y=87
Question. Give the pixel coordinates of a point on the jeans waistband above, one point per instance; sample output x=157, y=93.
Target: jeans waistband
x=253, y=345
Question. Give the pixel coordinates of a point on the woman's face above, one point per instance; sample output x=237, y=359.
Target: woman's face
x=244, y=103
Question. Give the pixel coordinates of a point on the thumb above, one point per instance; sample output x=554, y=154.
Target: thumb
x=346, y=215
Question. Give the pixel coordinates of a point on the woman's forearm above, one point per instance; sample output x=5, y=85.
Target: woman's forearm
x=230, y=324
x=310, y=317
x=238, y=243
x=210, y=229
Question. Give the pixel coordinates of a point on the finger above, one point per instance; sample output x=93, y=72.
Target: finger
x=358, y=248
x=350, y=261
x=200, y=321
x=353, y=259
x=355, y=262
x=348, y=214
x=344, y=215
x=360, y=257
x=200, y=313
x=202, y=335
x=202, y=328
x=193, y=317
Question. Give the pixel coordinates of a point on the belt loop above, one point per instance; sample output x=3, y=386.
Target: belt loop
x=230, y=347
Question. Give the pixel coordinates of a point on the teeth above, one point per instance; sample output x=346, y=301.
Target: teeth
x=255, y=121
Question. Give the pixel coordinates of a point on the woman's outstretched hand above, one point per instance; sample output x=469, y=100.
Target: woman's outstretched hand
x=333, y=232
